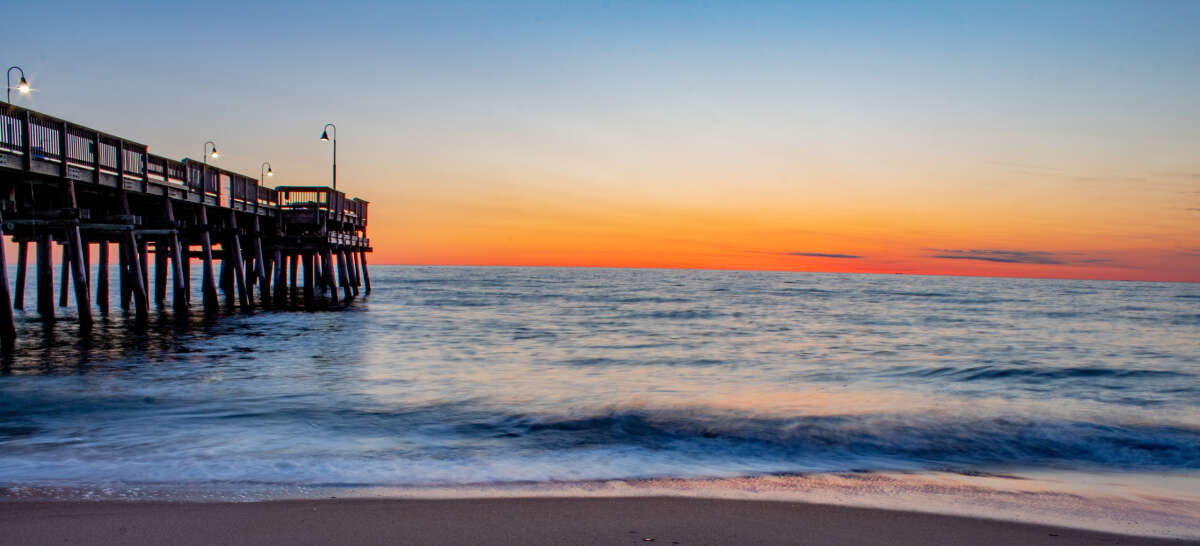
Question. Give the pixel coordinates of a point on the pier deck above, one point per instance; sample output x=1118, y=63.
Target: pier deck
x=72, y=186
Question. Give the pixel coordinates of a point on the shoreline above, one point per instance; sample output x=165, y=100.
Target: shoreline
x=518, y=520
x=1142, y=505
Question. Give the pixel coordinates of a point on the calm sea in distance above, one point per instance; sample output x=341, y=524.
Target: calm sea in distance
x=458, y=375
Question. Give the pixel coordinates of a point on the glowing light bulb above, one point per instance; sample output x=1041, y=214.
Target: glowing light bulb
x=23, y=86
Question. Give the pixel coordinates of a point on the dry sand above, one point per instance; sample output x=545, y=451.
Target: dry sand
x=661, y=520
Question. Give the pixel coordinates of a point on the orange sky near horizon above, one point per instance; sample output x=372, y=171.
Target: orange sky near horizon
x=1039, y=224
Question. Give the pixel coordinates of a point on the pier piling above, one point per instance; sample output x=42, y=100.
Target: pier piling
x=8, y=329
x=102, y=277
x=207, y=286
x=64, y=276
x=45, y=284
x=19, y=289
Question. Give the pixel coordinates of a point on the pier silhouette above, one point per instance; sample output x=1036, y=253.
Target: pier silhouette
x=72, y=186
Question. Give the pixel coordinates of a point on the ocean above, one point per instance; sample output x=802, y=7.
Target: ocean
x=451, y=377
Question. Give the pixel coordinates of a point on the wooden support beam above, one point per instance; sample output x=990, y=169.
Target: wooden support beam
x=318, y=275
x=8, y=329
x=238, y=269
x=309, y=296
x=123, y=273
x=178, y=273
x=264, y=286
x=355, y=275
x=135, y=263
x=209, y=288
x=352, y=269
x=280, y=298
x=248, y=270
x=144, y=264
x=22, y=259
x=293, y=266
x=160, y=272
x=260, y=266
x=344, y=275
x=186, y=261
x=45, y=276
x=87, y=262
x=64, y=282
x=74, y=253
x=362, y=255
x=102, y=277
x=327, y=267
x=225, y=279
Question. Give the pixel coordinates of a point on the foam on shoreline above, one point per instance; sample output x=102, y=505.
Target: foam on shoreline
x=1163, y=505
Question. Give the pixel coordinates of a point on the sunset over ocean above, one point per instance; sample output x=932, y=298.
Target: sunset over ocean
x=600, y=272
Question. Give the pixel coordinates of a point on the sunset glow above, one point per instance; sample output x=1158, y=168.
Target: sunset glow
x=1048, y=140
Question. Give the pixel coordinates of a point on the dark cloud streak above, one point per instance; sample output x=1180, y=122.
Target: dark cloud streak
x=822, y=255
x=1036, y=257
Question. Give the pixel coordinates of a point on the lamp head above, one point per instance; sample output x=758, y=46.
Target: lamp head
x=325, y=136
x=23, y=86
x=269, y=172
x=214, y=153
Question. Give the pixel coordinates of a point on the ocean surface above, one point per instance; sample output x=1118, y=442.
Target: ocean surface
x=458, y=375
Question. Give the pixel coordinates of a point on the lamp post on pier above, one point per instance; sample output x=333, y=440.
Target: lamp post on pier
x=266, y=165
x=325, y=137
x=22, y=86
x=214, y=151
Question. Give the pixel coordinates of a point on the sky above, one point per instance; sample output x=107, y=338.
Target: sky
x=1035, y=139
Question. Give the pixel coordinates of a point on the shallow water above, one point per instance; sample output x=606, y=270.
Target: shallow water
x=448, y=376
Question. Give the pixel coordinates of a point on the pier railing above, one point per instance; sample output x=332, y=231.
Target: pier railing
x=76, y=152
x=322, y=199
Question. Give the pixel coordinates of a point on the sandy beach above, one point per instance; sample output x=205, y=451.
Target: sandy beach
x=515, y=521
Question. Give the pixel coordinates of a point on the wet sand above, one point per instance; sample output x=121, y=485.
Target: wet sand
x=494, y=521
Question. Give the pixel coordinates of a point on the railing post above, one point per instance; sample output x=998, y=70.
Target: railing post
x=146, y=169
x=96, y=162
x=121, y=165
x=62, y=147
x=27, y=141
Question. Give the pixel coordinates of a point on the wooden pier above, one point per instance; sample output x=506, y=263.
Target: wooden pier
x=68, y=185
